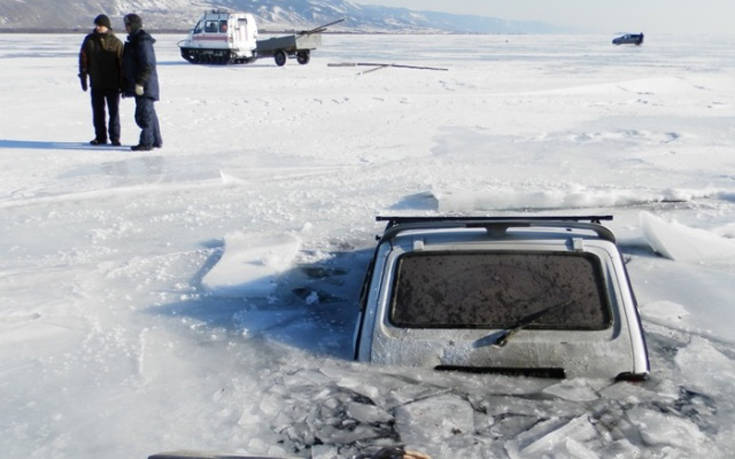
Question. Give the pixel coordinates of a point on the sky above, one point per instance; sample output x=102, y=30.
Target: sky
x=652, y=16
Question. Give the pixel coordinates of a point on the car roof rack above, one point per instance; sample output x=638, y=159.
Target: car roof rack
x=397, y=224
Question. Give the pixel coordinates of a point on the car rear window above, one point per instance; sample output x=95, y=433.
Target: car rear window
x=498, y=290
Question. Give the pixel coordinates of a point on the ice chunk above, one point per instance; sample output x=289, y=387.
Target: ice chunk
x=512, y=424
x=632, y=393
x=705, y=368
x=660, y=429
x=680, y=242
x=506, y=406
x=409, y=393
x=368, y=390
x=324, y=452
x=576, y=390
x=623, y=448
x=251, y=264
x=307, y=376
x=577, y=450
x=368, y=414
x=269, y=406
x=551, y=438
x=434, y=419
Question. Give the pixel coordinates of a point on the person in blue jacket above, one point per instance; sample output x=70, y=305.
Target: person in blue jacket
x=140, y=80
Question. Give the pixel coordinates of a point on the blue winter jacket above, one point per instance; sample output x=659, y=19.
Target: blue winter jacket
x=139, y=65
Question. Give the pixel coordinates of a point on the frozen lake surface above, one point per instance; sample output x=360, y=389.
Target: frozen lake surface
x=203, y=296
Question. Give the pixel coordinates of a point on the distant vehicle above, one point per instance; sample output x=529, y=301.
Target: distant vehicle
x=223, y=37
x=629, y=39
x=544, y=296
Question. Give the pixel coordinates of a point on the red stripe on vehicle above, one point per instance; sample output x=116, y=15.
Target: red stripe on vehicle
x=210, y=38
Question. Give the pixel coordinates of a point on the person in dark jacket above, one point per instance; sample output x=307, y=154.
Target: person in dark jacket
x=100, y=58
x=140, y=80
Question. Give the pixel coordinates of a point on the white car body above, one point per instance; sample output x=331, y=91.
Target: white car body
x=610, y=346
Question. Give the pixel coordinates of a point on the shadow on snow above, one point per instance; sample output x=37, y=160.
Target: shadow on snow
x=41, y=145
x=313, y=306
x=184, y=63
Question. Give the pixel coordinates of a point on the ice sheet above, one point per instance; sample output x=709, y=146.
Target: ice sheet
x=203, y=295
x=682, y=243
x=251, y=263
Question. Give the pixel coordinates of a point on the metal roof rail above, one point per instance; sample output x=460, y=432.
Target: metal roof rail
x=579, y=218
x=397, y=224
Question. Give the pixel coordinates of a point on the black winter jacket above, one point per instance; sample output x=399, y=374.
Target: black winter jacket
x=101, y=58
x=139, y=65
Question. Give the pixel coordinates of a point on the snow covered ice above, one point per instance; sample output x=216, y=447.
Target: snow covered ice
x=203, y=296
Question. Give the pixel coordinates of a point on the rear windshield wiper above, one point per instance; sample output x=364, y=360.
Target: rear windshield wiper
x=526, y=321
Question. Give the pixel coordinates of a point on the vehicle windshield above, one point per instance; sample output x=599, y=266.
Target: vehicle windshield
x=497, y=289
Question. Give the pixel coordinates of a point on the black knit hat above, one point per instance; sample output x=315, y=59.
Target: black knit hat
x=134, y=21
x=102, y=20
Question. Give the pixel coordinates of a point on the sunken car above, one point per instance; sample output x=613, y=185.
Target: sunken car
x=543, y=296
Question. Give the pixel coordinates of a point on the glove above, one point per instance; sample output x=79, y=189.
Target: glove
x=83, y=80
x=139, y=90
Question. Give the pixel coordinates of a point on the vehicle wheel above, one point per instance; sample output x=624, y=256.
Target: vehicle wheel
x=303, y=57
x=280, y=57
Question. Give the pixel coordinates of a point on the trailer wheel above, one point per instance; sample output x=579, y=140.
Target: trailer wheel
x=280, y=57
x=303, y=57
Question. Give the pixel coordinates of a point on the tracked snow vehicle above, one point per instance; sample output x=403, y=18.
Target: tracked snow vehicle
x=223, y=37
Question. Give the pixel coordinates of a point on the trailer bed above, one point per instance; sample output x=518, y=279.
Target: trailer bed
x=289, y=43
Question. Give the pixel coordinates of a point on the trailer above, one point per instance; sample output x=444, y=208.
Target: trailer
x=281, y=48
x=224, y=37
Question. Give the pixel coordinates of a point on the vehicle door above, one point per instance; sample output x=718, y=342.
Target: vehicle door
x=243, y=35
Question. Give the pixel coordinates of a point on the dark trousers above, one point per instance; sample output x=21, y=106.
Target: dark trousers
x=112, y=98
x=147, y=120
